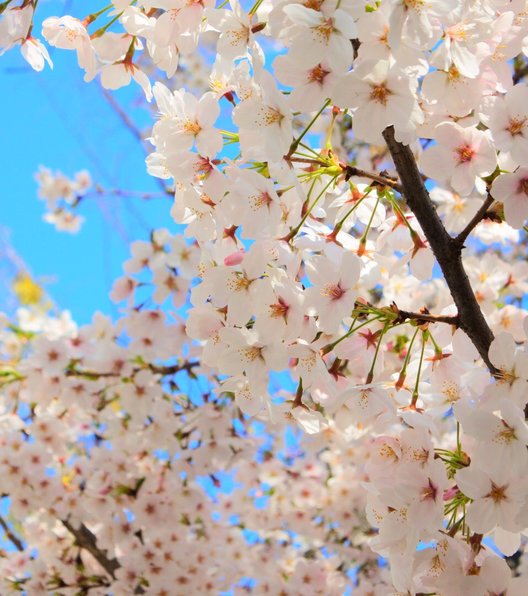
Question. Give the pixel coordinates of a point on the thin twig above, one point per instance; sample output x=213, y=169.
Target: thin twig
x=132, y=127
x=520, y=73
x=84, y=538
x=353, y=171
x=418, y=316
x=157, y=369
x=18, y=544
x=475, y=220
x=173, y=369
x=125, y=118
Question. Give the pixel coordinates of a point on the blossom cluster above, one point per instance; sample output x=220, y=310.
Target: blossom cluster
x=61, y=196
x=306, y=280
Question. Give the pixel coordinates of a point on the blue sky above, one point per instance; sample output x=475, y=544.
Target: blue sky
x=55, y=119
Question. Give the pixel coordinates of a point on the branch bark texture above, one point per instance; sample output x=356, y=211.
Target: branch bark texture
x=87, y=540
x=447, y=250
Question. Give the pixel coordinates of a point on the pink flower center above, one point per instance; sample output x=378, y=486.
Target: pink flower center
x=333, y=291
x=325, y=30
x=465, y=153
x=429, y=492
x=191, y=127
x=53, y=355
x=317, y=74
x=314, y=4
x=279, y=310
x=515, y=126
x=497, y=493
x=522, y=186
x=261, y=200
x=380, y=94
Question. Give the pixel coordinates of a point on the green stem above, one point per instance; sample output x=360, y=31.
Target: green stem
x=328, y=143
x=438, y=349
x=102, y=30
x=329, y=347
x=396, y=207
x=363, y=239
x=4, y=5
x=403, y=371
x=370, y=374
x=340, y=223
x=309, y=149
x=415, y=392
x=256, y=6
x=295, y=143
x=295, y=230
x=94, y=15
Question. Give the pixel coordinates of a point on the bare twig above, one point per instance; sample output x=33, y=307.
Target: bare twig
x=447, y=250
x=383, y=180
x=125, y=118
x=157, y=369
x=429, y=318
x=172, y=370
x=86, y=539
x=133, y=128
x=13, y=538
x=520, y=72
x=475, y=220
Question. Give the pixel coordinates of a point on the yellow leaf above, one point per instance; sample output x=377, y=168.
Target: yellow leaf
x=67, y=478
x=26, y=290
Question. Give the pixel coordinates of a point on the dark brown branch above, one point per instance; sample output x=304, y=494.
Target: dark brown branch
x=428, y=318
x=383, y=180
x=86, y=539
x=13, y=538
x=520, y=73
x=172, y=370
x=447, y=250
x=475, y=220
x=157, y=369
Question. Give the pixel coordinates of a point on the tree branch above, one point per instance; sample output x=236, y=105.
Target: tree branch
x=447, y=250
x=13, y=538
x=428, y=318
x=353, y=171
x=86, y=539
x=157, y=369
x=520, y=72
x=173, y=369
x=475, y=220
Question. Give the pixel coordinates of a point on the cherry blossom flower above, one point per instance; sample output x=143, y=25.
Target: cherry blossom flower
x=311, y=85
x=497, y=497
x=333, y=294
x=69, y=33
x=35, y=53
x=234, y=27
x=512, y=190
x=508, y=121
x=187, y=121
x=321, y=404
x=382, y=95
x=119, y=74
x=316, y=36
x=264, y=123
x=460, y=156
